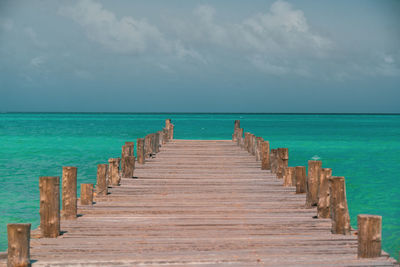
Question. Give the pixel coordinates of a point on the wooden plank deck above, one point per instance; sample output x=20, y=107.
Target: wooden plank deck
x=200, y=203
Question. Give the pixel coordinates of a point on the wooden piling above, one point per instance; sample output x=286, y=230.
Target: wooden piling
x=239, y=136
x=167, y=123
x=19, y=235
x=69, y=193
x=323, y=208
x=140, y=150
x=147, y=146
x=237, y=124
x=314, y=173
x=265, y=157
x=369, y=236
x=165, y=136
x=171, y=131
x=86, y=194
x=282, y=161
x=129, y=163
x=49, y=188
x=338, y=207
x=246, y=141
x=156, y=142
x=289, y=176
x=113, y=172
x=253, y=145
x=131, y=147
x=259, y=141
x=273, y=160
x=101, y=186
x=300, y=172
x=160, y=139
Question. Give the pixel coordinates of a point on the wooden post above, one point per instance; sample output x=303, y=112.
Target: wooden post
x=113, y=171
x=125, y=153
x=339, y=211
x=156, y=142
x=167, y=123
x=314, y=173
x=300, y=172
x=237, y=124
x=165, y=135
x=19, y=235
x=171, y=131
x=236, y=128
x=250, y=145
x=101, y=186
x=273, y=160
x=282, y=161
x=127, y=149
x=253, y=145
x=323, y=209
x=87, y=194
x=140, y=150
x=147, y=146
x=132, y=147
x=246, y=141
x=49, y=188
x=289, y=176
x=241, y=140
x=239, y=136
x=369, y=236
x=265, y=157
x=69, y=193
x=259, y=141
x=160, y=139
x=129, y=163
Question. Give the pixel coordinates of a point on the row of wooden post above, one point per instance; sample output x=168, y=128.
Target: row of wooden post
x=324, y=191
x=108, y=175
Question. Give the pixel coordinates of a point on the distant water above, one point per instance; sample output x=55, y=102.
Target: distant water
x=363, y=148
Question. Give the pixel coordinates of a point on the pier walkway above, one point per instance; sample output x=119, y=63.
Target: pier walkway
x=199, y=203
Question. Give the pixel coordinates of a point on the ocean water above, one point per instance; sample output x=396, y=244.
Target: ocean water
x=365, y=149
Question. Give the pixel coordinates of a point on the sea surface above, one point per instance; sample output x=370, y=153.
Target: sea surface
x=365, y=149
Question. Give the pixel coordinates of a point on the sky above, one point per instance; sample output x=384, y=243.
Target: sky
x=200, y=56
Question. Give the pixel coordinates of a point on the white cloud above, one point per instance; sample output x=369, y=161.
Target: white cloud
x=268, y=40
x=126, y=34
x=120, y=35
x=34, y=37
x=282, y=29
x=277, y=41
x=183, y=52
x=37, y=62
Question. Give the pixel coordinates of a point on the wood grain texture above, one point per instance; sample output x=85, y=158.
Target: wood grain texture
x=18, y=244
x=200, y=203
x=69, y=193
x=49, y=189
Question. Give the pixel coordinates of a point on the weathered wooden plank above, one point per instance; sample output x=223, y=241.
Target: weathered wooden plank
x=200, y=203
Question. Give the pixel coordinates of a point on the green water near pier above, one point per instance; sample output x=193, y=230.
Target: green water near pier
x=365, y=149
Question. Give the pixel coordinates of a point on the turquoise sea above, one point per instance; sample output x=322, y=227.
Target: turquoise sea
x=363, y=148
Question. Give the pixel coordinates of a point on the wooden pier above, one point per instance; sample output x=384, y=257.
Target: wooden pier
x=200, y=203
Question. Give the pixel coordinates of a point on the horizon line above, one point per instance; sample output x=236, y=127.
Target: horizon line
x=222, y=113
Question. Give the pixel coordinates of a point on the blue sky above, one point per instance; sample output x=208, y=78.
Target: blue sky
x=200, y=56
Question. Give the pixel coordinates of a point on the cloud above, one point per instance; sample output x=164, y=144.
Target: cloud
x=31, y=33
x=282, y=29
x=125, y=35
x=37, y=62
x=277, y=41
